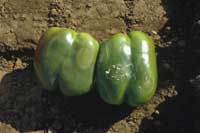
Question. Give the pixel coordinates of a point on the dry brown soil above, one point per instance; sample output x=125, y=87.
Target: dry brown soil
x=26, y=107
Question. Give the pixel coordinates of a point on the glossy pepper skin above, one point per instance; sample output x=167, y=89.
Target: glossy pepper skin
x=126, y=69
x=66, y=59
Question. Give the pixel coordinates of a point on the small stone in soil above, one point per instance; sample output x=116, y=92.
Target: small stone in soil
x=54, y=12
x=154, y=32
x=157, y=112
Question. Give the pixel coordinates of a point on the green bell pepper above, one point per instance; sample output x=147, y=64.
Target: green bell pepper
x=65, y=59
x=126, y=69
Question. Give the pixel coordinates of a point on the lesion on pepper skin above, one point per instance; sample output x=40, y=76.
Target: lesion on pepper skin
x=118, y=71
x=132, y=77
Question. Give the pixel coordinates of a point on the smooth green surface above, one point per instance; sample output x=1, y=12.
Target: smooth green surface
x=126, y=69
x=65, y=59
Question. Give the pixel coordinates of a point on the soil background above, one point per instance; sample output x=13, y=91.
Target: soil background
x=26, y=107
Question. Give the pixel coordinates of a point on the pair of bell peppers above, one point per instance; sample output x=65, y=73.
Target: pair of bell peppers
x=123, y=66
